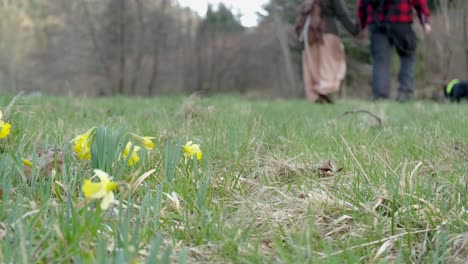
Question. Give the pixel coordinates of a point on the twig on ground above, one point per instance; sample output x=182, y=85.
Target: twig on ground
x=379, y=120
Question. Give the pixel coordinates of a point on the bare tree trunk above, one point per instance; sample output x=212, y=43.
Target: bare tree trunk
x=444, y=6
x=139, y=46
x=97, y=49
x=226, y=64
x=199, y=70
x=288, y=66
x=162, y=33
x=465, y=34
x=122, y=14
x=155, y=70
x=187, y=56
x=178, y=60
x=213, y=59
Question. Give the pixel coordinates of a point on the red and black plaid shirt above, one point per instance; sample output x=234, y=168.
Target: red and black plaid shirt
x=402, y=12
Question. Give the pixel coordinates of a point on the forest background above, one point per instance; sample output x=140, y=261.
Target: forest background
x=156, y=47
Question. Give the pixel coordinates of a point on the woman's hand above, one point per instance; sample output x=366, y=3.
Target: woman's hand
x=427, y=28
x=362, y=35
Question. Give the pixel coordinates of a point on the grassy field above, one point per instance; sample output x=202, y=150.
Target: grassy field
x=278, y=182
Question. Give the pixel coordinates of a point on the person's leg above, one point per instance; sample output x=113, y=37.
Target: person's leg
x=381, y=50
x=405, y=43
x=309, y=82
x=406, y=77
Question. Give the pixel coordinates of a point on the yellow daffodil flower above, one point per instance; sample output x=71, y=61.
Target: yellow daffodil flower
x=5, y=128
x=144, y=141
x=83, y=142
x=134, y=158
x=103, y=189
x=190, y=150
x=27, y=163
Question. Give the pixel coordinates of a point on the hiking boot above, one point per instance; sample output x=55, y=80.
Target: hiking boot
x=404, y=97
x=325, y=99
x=379, y=98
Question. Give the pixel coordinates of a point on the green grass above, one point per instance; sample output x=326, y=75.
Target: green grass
x=397, y=192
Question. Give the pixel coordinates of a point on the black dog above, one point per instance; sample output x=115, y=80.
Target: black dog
x=456, y=90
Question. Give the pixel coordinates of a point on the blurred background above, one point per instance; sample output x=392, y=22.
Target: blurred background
x=159, y=47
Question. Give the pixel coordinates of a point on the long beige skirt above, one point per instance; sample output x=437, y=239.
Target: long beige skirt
x=324, y=67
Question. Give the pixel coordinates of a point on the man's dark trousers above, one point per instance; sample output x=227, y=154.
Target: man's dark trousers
x=402, y=37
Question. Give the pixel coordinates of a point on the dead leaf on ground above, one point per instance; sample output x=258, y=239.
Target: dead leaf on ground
x=343, y=219
x=267, y=245
x=192, y=108
x=385, y=206
x=418, y=215
x=458, y=248
x=429, y=169
x=47, y=162
x=462, y=149
x=283, y=169
x=327, y=168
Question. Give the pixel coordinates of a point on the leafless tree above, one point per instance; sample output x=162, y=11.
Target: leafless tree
x=153, y=47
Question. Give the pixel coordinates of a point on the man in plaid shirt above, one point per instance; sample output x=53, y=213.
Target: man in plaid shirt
x=389, y=24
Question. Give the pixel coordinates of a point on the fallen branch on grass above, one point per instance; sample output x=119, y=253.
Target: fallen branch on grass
x=379, y=120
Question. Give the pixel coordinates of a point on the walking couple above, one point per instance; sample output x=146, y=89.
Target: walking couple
x=390, y=26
